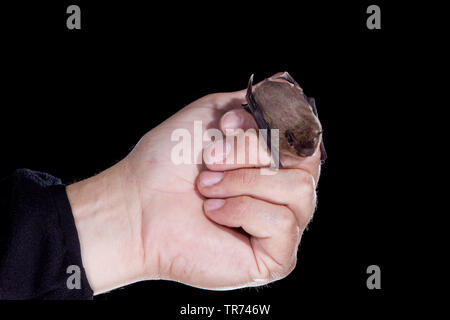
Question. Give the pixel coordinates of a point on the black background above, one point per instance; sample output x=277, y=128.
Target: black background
x=75, y=102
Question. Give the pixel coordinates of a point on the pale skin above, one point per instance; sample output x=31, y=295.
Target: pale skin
x=148, y=218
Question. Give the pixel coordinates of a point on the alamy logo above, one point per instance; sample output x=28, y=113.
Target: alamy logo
x=374, y=20
x=374, y=280
x=188, y=147
x=74, y=20
x=74, y=280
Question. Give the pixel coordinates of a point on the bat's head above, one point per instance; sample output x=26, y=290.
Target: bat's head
x=304, y=139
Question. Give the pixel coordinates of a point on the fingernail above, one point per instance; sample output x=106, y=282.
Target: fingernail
x=232, y=120
x=219, y=155
x=214, y=204
x=209, y=178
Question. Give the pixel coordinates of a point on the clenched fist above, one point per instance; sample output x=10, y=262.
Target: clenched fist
x=217, y=223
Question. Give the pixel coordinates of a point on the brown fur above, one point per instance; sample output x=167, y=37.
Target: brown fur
x=285, y=107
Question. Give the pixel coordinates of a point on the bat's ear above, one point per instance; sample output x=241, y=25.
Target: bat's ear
x=250, y=85
x=249, y=95
x=286, y=76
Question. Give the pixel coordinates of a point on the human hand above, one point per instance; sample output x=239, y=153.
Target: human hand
x=148, y=218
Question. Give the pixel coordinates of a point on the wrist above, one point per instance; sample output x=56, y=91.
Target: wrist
x=108, y=217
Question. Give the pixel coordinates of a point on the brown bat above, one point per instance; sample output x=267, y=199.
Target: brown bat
x=279, y=103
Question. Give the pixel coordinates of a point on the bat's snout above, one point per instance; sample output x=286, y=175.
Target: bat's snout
x=304, y=152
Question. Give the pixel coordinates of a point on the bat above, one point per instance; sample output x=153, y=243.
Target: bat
x=279, y=103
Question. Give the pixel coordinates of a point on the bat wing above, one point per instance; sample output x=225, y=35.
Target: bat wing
x=323, y=152
x=256, y=112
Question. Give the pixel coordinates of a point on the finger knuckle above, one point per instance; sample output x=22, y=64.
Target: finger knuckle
x=304, y=184
x=241, y=204
x=245, y=177
x=282, y=271
x=270, y=270
x=210, y=97
x=287, y=269
x=210, y=100
x=287, y=221
x=305, y=217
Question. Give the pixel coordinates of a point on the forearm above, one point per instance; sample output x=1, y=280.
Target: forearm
x=107, y=215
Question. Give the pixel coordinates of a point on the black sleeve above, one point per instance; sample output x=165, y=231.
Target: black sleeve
x=38, y=240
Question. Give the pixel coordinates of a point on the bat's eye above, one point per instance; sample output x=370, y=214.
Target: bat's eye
x=289, y=137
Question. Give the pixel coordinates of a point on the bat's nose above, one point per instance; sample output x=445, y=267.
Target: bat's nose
x=304, y=152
